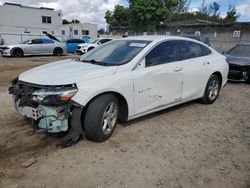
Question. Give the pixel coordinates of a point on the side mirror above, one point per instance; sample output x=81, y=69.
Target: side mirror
x=224, y=52
x=99, y=43
x=29, y=42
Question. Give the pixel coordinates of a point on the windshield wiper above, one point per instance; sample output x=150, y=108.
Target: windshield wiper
x=97, y=62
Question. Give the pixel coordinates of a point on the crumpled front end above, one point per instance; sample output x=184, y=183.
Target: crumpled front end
x=238, y=72
x=48, y=107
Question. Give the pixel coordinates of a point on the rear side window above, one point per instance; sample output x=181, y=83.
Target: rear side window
x=205, y=50
x=189, y=50
x=48, y=41
x=165, y=52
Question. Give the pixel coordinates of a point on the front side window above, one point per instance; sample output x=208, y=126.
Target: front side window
x=36, y=41
x=189, y=50
x=46, y=19
x=116, y=52
x=165, y=52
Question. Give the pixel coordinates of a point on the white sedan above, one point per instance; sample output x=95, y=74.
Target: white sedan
x=83, y=48
x=122, y=80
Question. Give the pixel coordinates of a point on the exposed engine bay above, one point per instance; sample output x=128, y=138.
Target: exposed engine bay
x=49, y=108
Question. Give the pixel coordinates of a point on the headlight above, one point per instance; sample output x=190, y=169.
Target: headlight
x=55, y=95
x=4, y=48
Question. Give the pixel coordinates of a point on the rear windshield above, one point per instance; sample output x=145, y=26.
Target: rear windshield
x=116, y=52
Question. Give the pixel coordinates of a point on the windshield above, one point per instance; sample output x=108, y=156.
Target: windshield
x=25, y=42
x=116, y=52
x=94, y=41
x=240, y=50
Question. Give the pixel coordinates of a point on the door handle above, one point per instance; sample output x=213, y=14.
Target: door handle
x=206, y=63
x=177, y=69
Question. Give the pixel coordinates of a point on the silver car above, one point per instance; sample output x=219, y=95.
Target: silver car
x=39, y=46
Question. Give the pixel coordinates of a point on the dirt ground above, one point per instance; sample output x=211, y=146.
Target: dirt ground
x=192, y=145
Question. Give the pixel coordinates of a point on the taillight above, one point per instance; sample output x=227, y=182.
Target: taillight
x=226, y=61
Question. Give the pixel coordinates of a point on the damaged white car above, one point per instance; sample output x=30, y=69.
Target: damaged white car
x=120, y=81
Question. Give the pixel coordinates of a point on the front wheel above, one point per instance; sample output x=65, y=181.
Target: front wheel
x=101, y=117
x=212, y=90
x=17, y=52
x=58, y=52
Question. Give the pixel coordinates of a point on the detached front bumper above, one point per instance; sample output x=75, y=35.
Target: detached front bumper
x=51, y=118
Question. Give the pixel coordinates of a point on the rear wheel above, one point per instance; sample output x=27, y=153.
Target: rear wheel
x=58, y=52
x=101, y=117
x=17, y=52
x=212, y=90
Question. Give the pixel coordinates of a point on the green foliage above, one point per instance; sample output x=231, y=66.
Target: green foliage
x=232, y=15
x=182, y=6
x=145, y=15
x=119, y=17
x=65, y=21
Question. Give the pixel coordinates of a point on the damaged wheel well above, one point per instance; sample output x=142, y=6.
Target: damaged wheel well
x=123, y=107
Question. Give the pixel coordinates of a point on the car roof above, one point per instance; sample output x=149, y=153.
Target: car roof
x=157, y=38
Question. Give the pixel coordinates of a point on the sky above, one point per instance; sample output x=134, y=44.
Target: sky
x=93, y=11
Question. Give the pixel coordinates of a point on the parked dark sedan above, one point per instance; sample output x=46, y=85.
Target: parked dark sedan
x=239, y=62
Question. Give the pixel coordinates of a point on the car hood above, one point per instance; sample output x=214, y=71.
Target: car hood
x=65, y=72
x=243, y=61
x=13, y=45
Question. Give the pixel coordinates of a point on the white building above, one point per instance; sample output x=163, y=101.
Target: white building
x=78, y=30
x=16, y=19
x=19, y=23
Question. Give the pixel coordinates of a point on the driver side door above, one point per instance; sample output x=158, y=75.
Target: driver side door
x=34, y=46
x=158, y=80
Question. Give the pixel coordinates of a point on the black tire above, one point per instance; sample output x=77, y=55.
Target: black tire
x=208, y=97
x=17, y=52
x=94, y=120
x=91, y=48
x=58, y=52
x=248, y=79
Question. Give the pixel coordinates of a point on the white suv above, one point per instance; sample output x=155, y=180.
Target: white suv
x=83, y=48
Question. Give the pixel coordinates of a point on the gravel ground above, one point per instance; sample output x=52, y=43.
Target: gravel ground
x=192, y=145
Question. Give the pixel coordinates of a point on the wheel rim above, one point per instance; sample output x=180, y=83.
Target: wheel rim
x=213, y=89
x=17, y=53
x=109, y=118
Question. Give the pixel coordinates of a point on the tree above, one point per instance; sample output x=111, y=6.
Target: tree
x=75, y=21
x=203, y=8
x=232, y=15
x=145, y=15
x=182, y=6
x=118, y=18
x=214, y=8
x=65, y=21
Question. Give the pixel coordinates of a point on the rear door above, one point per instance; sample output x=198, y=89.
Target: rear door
x=195, y=62
x=48, y=46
